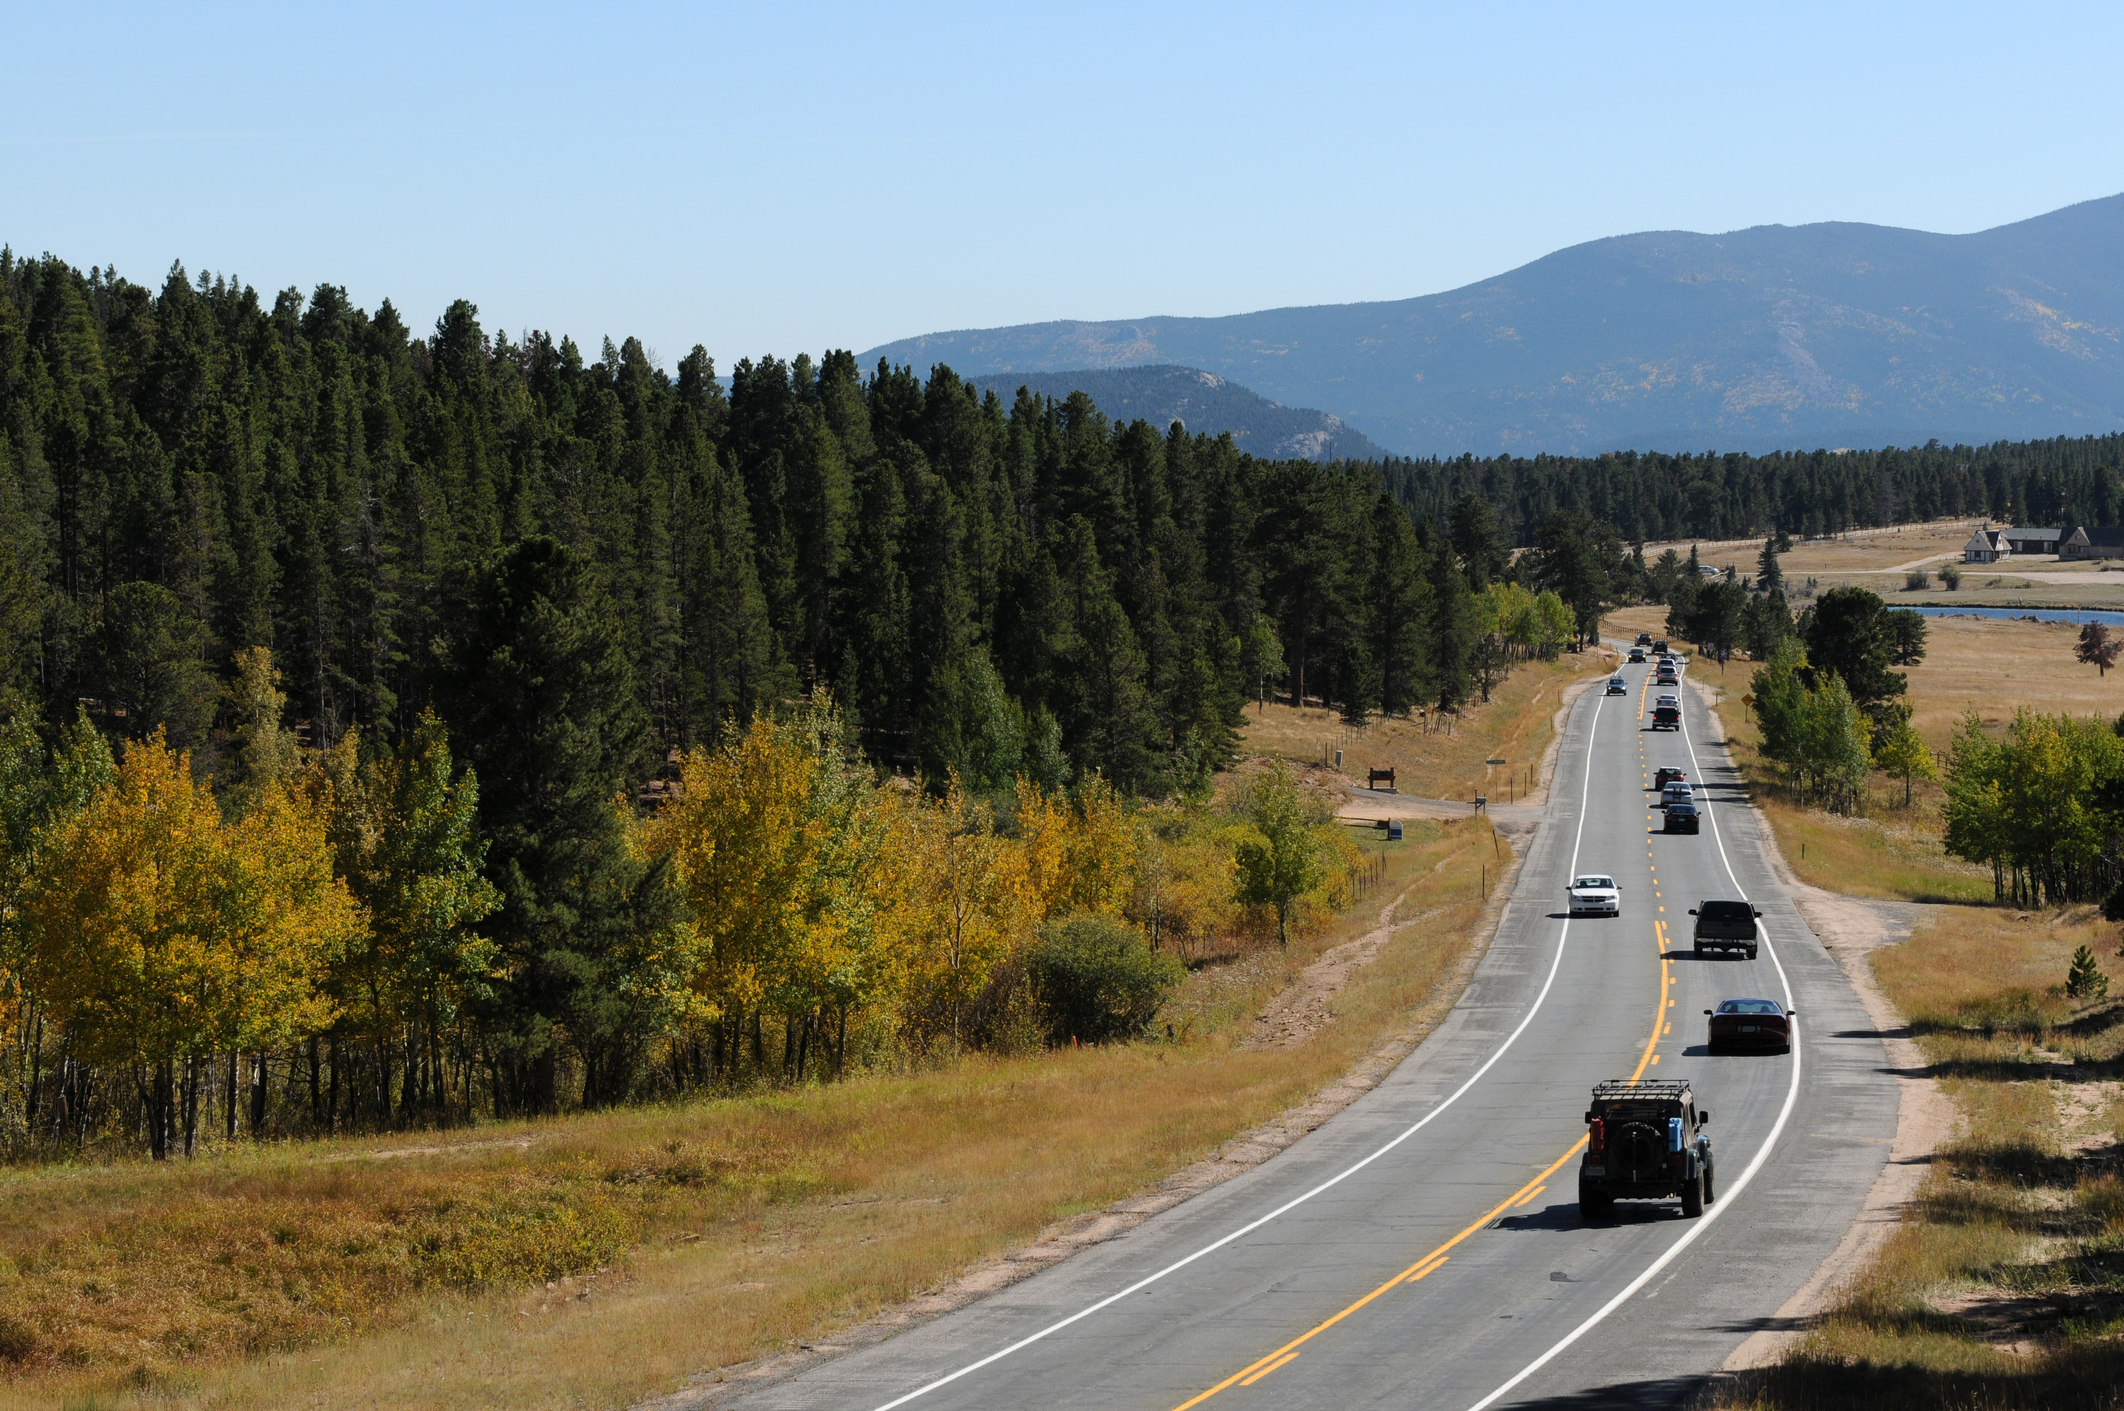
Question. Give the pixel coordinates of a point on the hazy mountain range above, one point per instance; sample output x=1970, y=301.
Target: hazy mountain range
x=1203, y=401
x=1833, y=334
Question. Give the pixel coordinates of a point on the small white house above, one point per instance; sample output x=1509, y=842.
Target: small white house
x=1987, y=546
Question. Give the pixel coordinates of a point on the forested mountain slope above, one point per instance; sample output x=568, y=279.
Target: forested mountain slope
x=1826, y=335
x=1203, y=402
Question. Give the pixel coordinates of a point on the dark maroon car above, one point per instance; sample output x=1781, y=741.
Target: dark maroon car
x=1751, y=1023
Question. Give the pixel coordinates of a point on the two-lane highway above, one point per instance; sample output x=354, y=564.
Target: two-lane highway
x=1424, y=1248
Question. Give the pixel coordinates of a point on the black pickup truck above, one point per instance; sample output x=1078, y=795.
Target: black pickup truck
x=1725, y=925
x=1666, y=717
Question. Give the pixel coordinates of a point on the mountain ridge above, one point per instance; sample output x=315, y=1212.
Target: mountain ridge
x=1828, y=334
x=1162, y=393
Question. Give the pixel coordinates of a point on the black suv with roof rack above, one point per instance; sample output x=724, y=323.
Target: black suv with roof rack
x=1644, y=1141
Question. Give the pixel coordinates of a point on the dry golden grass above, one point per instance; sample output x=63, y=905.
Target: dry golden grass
x=1866, y=550
x=634, y=1248
x=1995, y=667
x=1438, y=758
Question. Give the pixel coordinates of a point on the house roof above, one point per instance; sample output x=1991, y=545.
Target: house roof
x=2102, y=536
x=2032, y=535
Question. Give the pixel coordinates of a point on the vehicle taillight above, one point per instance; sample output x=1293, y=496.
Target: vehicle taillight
x=1599, y=1139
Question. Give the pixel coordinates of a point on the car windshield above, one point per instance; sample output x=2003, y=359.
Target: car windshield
x=1750, y=1006
x=1726, y=911
x=1595, y=882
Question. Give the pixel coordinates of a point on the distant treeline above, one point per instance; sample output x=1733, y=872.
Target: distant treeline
x=1650, y=496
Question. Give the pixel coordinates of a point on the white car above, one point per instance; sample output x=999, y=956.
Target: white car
x=1665, y=698
x=1595, y=894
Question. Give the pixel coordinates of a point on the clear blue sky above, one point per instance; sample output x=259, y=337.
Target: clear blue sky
x=776, y=178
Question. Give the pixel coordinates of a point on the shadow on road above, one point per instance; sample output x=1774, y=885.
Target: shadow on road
x=1655, y=1391
x=1551, y=1217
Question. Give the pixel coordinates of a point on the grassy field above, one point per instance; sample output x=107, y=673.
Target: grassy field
x=599, y=1259
x=1867, y=551
x=1438, y=756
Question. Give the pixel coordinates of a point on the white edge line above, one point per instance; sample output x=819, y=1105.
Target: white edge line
x=1710, y=1216
x=1562, y=938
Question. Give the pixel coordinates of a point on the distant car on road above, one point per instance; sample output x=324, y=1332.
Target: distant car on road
x=1644, y=639
x=1750, y=1023
x=1665, y=775
x=1724, y=925
x=1676, y=791
x=1594, y=894
x=1645, y=1141
x=1617, y=686
x=1666, y=717
x=1637, y=655
x=1665, y=676
x=1681, y=818
x=1660, y=647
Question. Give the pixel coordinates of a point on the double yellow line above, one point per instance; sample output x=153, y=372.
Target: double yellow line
x=1432, y=1262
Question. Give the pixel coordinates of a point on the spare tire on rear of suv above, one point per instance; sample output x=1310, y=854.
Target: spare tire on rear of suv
x=1640, y=1151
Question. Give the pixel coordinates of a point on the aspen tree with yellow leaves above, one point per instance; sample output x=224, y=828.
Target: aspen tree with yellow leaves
x=784, y=849
x=970, y=902
x=162, y=935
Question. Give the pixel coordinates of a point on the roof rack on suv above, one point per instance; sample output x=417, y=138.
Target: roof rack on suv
x=1645, y=1087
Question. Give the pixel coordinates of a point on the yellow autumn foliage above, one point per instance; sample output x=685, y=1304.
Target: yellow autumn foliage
x=160, y=929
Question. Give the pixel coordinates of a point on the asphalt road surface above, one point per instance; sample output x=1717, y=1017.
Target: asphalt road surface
x=1424, y=1247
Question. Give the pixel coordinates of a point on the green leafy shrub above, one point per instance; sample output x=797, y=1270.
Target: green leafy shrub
x=1098, y=979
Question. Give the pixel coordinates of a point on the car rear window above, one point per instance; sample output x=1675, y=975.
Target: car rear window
x=1750, y=1006
x=1726, y=911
